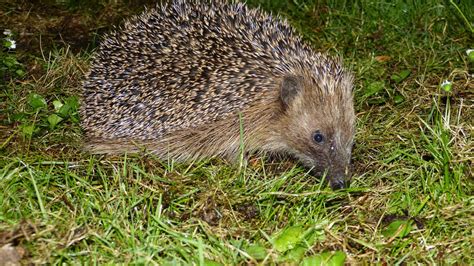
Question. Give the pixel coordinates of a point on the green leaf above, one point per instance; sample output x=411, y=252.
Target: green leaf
x=20, y=72
x=73, y=102
x=398, y=228
x=65, y=110
x=470, y=54
x=36, y=101
x=7, y=43
x=288, y=238
x=54, y=119
x=295, y=254
x=10, y=62
x=57, y=105
x=27, y=130
x=374, y=88
x=19, y=117
x=401, y=76
x=316, y=235
x=447, y=86
x=398, y=98
x=257, y=251
x=336, y=258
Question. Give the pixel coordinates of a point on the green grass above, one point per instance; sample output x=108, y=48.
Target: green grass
x=411, y=199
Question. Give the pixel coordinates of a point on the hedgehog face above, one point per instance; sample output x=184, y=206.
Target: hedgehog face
x=318, y=125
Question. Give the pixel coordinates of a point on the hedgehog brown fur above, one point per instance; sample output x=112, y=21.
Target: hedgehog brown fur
x=181, y=81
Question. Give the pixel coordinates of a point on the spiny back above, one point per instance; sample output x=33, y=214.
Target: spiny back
x=188, y=64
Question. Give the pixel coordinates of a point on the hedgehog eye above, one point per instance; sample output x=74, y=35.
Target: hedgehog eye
x=318, y=137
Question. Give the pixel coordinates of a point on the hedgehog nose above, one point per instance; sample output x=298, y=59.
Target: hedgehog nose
x=340, y=177
x=339, y=184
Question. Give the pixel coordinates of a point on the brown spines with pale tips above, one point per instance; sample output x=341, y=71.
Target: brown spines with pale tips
x=181, y=80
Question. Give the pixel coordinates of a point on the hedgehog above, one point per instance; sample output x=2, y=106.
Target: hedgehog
x=190, y=80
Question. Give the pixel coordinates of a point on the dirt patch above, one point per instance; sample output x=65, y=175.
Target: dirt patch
x=248, y=210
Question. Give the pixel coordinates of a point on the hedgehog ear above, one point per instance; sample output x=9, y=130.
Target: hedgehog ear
x=290, y=87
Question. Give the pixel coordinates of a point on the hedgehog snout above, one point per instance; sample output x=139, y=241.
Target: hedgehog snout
x=339, y=178
x=337, y=174
x=339, y=171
